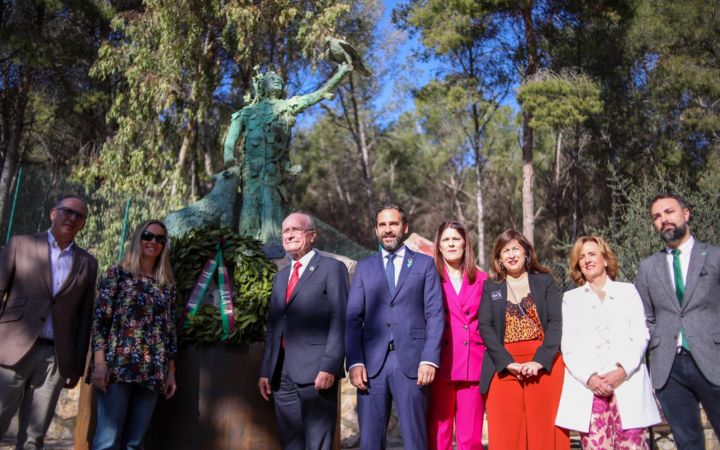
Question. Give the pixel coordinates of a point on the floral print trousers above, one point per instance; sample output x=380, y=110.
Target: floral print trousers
x=606, y=431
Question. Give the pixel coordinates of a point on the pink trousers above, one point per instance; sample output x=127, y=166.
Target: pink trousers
x=458, y=404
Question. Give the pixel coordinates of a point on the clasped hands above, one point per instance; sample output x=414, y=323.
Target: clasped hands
x=604, y=385
x=522, y=371
x=359, y=378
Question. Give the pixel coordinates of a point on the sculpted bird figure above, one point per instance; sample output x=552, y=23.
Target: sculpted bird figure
x=340, y=51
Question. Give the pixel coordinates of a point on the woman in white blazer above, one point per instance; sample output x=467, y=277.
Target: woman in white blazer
x=607, y=395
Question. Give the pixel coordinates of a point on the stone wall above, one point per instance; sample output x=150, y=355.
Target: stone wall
x=62, y=427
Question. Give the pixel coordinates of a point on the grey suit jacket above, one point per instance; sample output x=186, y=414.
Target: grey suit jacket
x=699, y=315
x=26, y=298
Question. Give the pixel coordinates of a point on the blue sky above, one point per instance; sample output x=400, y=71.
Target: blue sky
x=394, y=97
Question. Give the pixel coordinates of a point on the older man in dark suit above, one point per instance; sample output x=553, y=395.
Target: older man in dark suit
x=47, y=290
x=680, y=288
x=303, y=356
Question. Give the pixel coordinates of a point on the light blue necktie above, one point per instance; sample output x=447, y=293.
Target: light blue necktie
x=390, y=272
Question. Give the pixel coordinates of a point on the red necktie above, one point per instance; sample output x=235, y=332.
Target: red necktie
x=293, y=281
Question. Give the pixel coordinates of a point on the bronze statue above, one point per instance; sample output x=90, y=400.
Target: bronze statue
x=265, y=125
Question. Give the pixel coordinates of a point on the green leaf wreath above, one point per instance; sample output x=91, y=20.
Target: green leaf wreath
x=251, y=274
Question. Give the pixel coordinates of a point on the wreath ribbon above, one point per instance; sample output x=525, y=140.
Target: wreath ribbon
x=214, y=263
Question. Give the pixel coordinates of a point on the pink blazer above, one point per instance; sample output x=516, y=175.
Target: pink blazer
x=462, y=348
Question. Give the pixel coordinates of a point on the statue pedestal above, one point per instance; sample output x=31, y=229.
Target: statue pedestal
x=217, y=404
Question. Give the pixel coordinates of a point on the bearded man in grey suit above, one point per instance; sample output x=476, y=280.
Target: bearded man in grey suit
x=680, y=289
x=47, y=291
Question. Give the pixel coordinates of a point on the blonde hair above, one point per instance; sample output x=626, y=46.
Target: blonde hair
x=576, y=252
x=131, y=261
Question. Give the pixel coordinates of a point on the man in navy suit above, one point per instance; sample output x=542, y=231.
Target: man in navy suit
x=393, y=331
x=303, y=355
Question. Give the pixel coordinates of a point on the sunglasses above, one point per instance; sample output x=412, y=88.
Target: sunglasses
x=69, y=212
x=148, y=236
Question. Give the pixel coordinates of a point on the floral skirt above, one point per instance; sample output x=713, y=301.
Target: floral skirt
x=606, y=431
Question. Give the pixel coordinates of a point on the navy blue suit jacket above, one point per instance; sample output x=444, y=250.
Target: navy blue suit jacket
x=414, y=315
x=312, y=322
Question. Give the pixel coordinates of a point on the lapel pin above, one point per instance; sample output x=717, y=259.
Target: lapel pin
x=409, y=263
x=311, y=268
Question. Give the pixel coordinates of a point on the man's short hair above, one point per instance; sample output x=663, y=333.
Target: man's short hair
x=665, y=195
x=67, y=196
x=390, y=205
x=310, y=219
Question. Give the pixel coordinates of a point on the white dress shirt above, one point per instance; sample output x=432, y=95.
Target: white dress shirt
x=60, y=267
x=304, y=262
x=397, y=262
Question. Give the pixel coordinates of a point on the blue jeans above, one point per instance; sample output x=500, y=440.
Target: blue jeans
x=123, y=415
x=679, y=399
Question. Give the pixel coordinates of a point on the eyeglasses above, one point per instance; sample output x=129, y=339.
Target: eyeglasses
x=69, y=212
x=148, y=236
x=517, y=251
x=296, y=230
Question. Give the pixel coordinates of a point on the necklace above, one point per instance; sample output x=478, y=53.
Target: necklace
x=522, y=311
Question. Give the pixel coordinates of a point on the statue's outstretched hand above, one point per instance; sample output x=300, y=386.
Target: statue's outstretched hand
x=345, y=67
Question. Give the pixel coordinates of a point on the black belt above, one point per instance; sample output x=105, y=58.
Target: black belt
x=683, y=351
x=45, y=341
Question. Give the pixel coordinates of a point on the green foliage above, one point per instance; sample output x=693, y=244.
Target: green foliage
x=630, y=231
x=49, y=107
x=251, y=273
x=559, y=101
x=176, y=67
x=679, y=66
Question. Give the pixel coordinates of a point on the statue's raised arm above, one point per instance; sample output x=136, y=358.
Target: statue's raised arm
x=300, y=103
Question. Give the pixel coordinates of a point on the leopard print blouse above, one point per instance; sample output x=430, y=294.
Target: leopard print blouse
x=522, y=322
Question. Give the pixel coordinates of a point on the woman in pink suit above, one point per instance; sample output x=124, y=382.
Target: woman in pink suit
x=455, y=397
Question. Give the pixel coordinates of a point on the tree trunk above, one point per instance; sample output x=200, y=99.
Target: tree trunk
x=558, y=193
x=15, y=121
x=575, y=181
x=528, y=175
x=480, y=217
x=207, y=159
x=362, y=146
x=9, y=170
x=185, y=149
x=558, y=147
x=527, y=145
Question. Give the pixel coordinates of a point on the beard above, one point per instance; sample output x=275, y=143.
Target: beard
x=392, y=246
x=675, y=233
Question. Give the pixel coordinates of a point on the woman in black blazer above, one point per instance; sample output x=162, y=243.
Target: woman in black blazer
x=520, y=321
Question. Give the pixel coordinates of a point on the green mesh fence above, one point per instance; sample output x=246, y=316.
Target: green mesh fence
x=39, y=190
x=42, y=186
